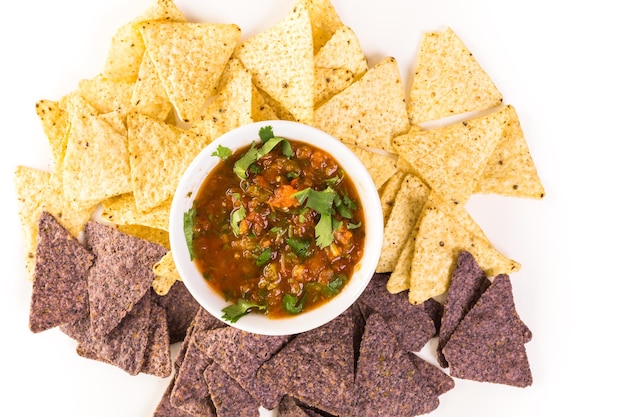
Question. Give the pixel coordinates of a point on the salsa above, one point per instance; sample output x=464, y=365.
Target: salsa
x=276, y=228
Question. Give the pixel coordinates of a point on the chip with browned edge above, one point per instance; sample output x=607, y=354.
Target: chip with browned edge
x=488, y=344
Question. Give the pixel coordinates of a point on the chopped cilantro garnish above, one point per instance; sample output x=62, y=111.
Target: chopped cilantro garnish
x=266, y=133
x=299, y=246
x=290, y=303
x=321, y=202
x=189, y=217
x=242, y=164
x=268, y=142
x=234, y=312
x=236, y=217
x=324, y=231
x=264, y=257
x=335, y=285
x=222, y=152
x=352, y=226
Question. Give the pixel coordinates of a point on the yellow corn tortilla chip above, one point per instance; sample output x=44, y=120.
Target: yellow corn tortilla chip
x=106, y=95
x=56, y=126
x=388, y=193
x=261, y=109
x=96, y=164
x=166, y=274
x=158, y=236
x=450, y=159
x=343, y=50
x=324, y=20
x=159, y=155
x=330, y=81
x=406, y=210
x=380, y=166
x=448, y=80
x=370, y=112
x=400, y=277
x=281, y=62
x=127, y=48
x=190, y=59
x=149, y=96
x=511, y=170
x=443, y=229
x=122, y=210
x=232, y=106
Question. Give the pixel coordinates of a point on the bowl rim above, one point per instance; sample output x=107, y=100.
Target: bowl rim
x=193, y=178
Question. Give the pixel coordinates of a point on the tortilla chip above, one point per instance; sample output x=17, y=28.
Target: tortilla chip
x=488, y=344
x=232, y=106
x=127, y=48
x=261, y=109
x=120, y=276
x=96, y=164
x=181, y=308
x=370, y=112
x=56, y=126
x=388, y=193
x=107, y=95
x=450, y=159
x=158, y=236
x=227, y=395
x=400, y=277
x=189, y=58
x=157, y=357
x=324, y=20
x=408, y=205
x=149, y=96
x=444, y=229
x=343, y=50
x=380, y=166
x=281, y=62
x=510, y=170
x=122, y=210
x=166, y=274
x=330, y=81
x=159, y=155
x=59, y=293
x=448, y=80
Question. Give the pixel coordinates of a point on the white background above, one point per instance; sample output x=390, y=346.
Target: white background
x=560, y=63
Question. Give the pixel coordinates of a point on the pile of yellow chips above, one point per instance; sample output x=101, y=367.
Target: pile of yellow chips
x=123, y=138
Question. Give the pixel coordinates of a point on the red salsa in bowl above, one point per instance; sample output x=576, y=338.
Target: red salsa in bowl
x=276, y=227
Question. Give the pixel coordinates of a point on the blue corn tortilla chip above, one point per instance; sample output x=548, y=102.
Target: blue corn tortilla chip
x=387, y=382
x=488, y=344
x=290, y=407
x=158, y=359
x=432, y=375
x=59, y=293
x=467, y=284
x=120, y=276
x=181, y=308
x=411, y=324
x=165, y=408
x=240, y=354
x=316, y=367
x=229, y=398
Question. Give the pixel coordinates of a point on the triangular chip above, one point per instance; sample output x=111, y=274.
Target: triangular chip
x=227, y=395
x=149, y=96
x=120, y=276
x=281, y=62
x=388, y=193
x=488, y=344
x=467, y=284
x=159, y=154
x=56, y=126
x=165, y=273
x=261, y=109
x=370, y=112
x=96, y=163
x=189, y=58
x=324, y=20
x=105, y=95
x=387, y=382
x=343, y=50
x=181, y=308
x=127, y=48
x=330, y=81
x=320, y=355
x=448, y=80
x=59, y=292
x=450, y=159
x=158, y=358
x=158, y=236
x=510, y=170
x=380, y=166
x=122, y=210
x=231, y=107
x=444, y=229
x=406, y=210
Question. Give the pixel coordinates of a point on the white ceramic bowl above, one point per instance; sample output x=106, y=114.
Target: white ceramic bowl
x=192, y=180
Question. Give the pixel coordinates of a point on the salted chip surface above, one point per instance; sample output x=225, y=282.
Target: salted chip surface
x=409, y=201
x=148, y=95
x=228, y=397
x=488, y=344
x=380, y=166
x=324, y=355
x=370, y=112
x=388, y=193
x=411, y=324
x=448, y=80
x=343, y=50
x=59, y=294
x=450, y=159
x=467, y=284
x=387, y=382
x=106, y=95
x=281, y=62
x=55, y=123
x=241, y=354
x=330, y=81
x=120, y=276
x=166, y=274
x=324, y=20
x=190, y=59
x=159, y=154
x=180, y=308
x=510, y=170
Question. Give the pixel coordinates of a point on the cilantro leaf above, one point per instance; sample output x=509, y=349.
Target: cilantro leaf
x=264, y=257
x=222, y=152
x=324, y=231
x=299, y=246
x=242, y=164
x=266, y=133
x=234, y=312
x=236, y=217
x=290, y=303
x=189, y=218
